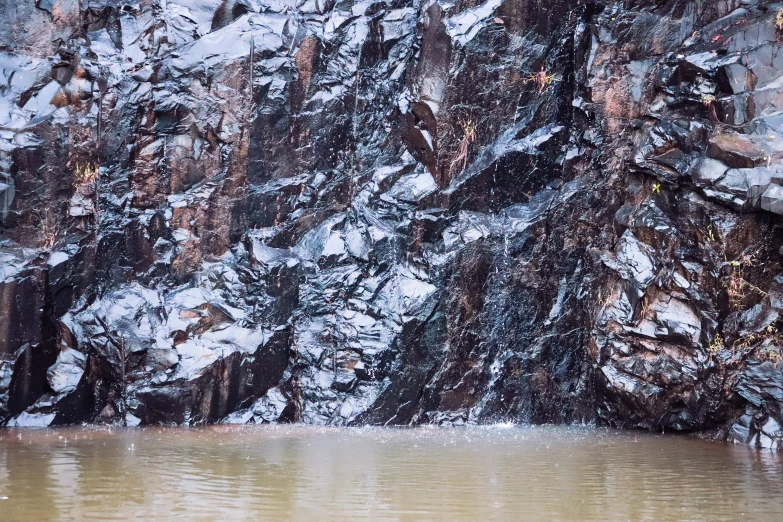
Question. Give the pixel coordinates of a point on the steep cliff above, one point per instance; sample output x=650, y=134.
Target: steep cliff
x=402, y=212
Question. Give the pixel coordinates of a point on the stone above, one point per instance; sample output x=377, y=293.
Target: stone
x=161, y=358
x=741, y=429
x=735, y=78
x=342, y=214
x=677, y=318
x=632, y=261
x=46, y=5
x=743, y=151
x=66, y=373
x=761, y=383
x=31, y=420
x=772, y=199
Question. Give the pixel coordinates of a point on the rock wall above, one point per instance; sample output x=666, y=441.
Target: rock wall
x=395, y=212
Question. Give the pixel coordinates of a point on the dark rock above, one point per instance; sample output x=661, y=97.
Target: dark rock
x=772, y=199
x=743, y=151
x=65, y=374
x=405, y=213
x=762, y=384
x=735, y=78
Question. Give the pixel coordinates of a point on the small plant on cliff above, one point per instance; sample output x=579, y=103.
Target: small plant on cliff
x=49, y=236
x=86, y=174
x=716, y=345
x=709, y=234
x=770, y=353
x=85, y=185
x=708, y=100
x=768, y=334
x=542, y=80
x=50, y=230
x=779, y=23
x=764, y=344
x=468, y=137
x=737, y=286
x=644, y=311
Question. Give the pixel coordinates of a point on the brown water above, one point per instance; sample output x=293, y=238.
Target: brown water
x=302, y=473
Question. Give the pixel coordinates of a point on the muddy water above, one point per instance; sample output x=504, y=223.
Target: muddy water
x=301, y=473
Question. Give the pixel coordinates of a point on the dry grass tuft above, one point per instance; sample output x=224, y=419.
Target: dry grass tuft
x=468, y=137
x=737, y=287
x=86, y=174
x=765, y=345
x=542, y=80
x=50, y=229
x=49, y=236
x=716, y=345
x=779, y=24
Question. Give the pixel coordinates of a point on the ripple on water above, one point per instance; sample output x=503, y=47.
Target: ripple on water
x=496, y=472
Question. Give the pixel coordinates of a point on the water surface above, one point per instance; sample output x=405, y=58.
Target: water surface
x=306, y=473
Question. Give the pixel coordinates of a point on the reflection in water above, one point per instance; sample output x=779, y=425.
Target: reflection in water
x=305, y=473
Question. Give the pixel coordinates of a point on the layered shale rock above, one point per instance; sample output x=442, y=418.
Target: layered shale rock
x=405, y=212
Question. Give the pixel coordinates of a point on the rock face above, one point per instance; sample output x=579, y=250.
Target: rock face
x=406, y=212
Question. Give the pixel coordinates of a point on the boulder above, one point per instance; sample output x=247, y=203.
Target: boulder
x=744, y=151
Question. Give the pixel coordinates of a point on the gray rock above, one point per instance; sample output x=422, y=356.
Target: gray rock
x=741, y=429
x=66, y=373
x=735, y=78
x=772, y=199
x=761, y=383
x=708, y=172
x=677, y=318
x=161, y=358
x=632, y=261
x=340, y=214
x=31, y=420
x=743, y=151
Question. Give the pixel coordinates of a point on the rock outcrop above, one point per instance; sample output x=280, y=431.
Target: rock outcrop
x=405, y=212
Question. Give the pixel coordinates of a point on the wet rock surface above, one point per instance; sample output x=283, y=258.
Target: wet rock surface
x=392, y=213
